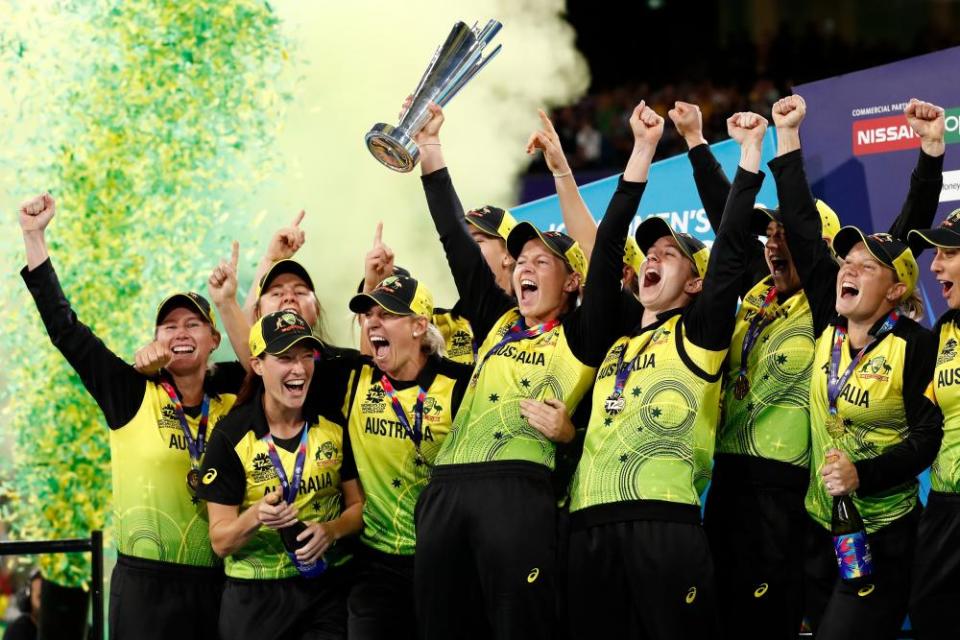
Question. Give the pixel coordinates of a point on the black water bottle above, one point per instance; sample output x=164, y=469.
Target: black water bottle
x=850, y=540
x=289, y=537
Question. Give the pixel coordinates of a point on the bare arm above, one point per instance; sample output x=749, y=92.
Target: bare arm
x=576, y=216
x=222, y=287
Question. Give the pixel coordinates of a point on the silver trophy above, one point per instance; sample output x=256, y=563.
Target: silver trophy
x=453, y=65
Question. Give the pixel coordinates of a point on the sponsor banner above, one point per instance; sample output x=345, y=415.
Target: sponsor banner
x=951, y=186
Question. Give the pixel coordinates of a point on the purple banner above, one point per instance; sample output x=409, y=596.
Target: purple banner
x=860, y=151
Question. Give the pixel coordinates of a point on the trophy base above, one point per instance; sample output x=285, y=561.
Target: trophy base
x=392, y=147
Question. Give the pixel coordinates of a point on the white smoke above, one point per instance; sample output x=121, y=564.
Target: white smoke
x=358, y=61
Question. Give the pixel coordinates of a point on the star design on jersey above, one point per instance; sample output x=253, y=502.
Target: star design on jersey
x=396, y=483
x=417, y=462
x=656, y=413
x=636, y=392
x=498, y=435
x=195, y=500
x=316, y=505
x=766, y=339
x=781, y=358
x=623, y=457
x=607, y=421
x=750, y=407
x=525, y=383
x=766, y=377
x=847, y=422
x=494, y=397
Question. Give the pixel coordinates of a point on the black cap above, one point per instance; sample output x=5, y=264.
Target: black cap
x=654, y=228
x=187, y=300
x=397, y=271
x=493, y=221
x=284, y=266
x=947, y=235
x=276, y=332
x=400, y=295
x=886, y=249
x=562, y=245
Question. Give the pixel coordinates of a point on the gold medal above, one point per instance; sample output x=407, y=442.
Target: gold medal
x=834, y=425
x=193, y=480
x=741, y=387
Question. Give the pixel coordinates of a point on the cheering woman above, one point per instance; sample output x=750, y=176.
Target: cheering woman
x=167, y=580
x=872, y=428
x=281, y=489
x=486, y=521
x=400, y=404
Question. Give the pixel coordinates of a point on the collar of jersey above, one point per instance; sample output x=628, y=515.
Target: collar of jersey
x=258, y=419
x=661, y=318
x=424, y=379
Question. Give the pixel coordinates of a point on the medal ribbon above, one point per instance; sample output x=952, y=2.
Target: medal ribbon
x=836, y=384
x=195, y=447
x=416, y=432
x=290, y=487
x=515, y=333
x=623, y=372
x=758, y=323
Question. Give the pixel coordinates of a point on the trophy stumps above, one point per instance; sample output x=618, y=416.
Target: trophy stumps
x=453, y=65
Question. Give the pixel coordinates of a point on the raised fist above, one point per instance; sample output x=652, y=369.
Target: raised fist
x=788, y=112
x=747, y=128
x=36, y=213
x=688, y=120
x=926, y=119
x=646, y=125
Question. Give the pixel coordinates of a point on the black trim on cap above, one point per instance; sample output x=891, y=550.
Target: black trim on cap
x=286, y=266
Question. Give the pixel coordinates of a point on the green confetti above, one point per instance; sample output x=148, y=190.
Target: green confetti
x=149, y=122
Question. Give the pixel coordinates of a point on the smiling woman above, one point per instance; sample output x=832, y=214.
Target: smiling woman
x=166, y=577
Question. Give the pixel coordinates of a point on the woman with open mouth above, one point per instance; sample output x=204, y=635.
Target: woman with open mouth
x=486, y=522
x=281, y=490
x=399, y=404
x=167, y=581
x=872, y=429
x=760, y=472
x=639, y=561
x=936, y=569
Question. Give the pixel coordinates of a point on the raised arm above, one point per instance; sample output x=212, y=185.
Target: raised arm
x=598, y=322
x=926, y=181
x=117, y=388
x=576, y=216
x=284, y=244
x=801, y=221
x=712, y=183
x=483, y=301
x=709, y=321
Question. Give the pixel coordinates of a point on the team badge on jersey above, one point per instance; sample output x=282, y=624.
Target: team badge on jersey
x=876, y=369
x=948, y=353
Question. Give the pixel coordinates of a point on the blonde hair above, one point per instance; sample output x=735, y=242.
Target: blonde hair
x=433, y=341
x=912, y=307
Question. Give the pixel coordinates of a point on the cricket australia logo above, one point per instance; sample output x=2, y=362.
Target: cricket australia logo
x=659, y=336
x=876, y=369
x=948, y=352
x=326, y=454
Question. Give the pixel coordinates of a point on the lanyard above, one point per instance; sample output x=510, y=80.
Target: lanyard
x=195, y=447
x=757, y=324
x=615, y=402
x=515, y=333
x=290, y=487
x=415, y=433
x=836, y=384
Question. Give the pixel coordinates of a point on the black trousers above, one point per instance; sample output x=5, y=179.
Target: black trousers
x=152, y=600
x=873, y=607
x=641, y=579
x=380, y=605
x=756, y=521
x=288, y=609
x=486, y=553
x=936, y=570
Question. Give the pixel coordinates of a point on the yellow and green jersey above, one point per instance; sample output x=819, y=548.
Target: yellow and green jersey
x=945, y=391
x=488, y=427
x=659, y=446
x=155, y=515
x=238, y=471
x=457, y=334
x=884, y=418
x=392, y=471
x=772, y=420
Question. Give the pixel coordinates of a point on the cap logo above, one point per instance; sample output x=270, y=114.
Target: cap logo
x=951, y=220
x=390, y=285
x=288, y=322
x=883, y=237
